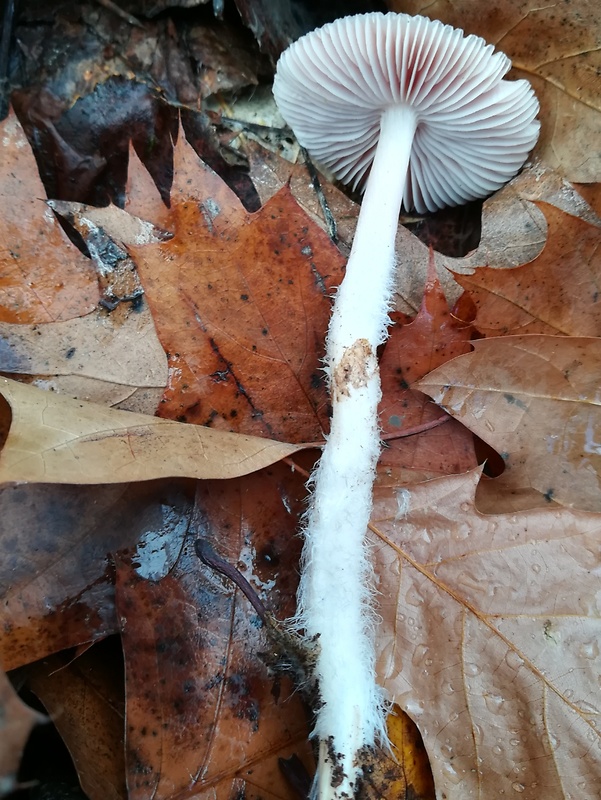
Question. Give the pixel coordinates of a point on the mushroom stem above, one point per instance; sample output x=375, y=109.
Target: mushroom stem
x=335, y=596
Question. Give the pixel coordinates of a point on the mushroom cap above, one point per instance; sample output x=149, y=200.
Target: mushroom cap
x=474, y=129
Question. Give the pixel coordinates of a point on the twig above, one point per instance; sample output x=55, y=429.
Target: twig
x=323, y=203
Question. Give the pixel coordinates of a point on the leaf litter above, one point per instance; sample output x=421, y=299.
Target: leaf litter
x=437, y=518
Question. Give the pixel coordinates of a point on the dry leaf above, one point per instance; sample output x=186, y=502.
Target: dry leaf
x=16, y=722
x=54, y=439
x=125, y=354
x=558, y=292
x=536, y=400
x=43, y=277
x=557, y=47
x=490, y=639
x=241, y=302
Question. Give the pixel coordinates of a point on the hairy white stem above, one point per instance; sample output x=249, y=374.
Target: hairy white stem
x=336, y=583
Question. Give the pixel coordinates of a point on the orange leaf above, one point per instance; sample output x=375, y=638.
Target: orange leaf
x=85, y=699
x=412, y=350
x=43, y=277
x=241, y=303
x=558, y=292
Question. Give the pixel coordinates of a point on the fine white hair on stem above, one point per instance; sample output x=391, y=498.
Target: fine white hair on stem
x=417, y=114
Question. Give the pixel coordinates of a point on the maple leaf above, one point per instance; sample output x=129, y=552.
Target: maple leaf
x=413, y=350
x=489, y=639
x=558, y=292
x=44, y=278
x=535, y=399
x=557, y=48
x=241, y=303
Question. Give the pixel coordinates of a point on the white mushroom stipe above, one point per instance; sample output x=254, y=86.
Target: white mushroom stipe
x=418, y=115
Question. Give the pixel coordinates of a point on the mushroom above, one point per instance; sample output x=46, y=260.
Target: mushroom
x=418, y=115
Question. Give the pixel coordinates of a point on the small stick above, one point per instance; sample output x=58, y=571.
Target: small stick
x=323, y=203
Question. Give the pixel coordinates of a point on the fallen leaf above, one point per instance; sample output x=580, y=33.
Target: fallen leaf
x=124, y=354
x=535, y=399
x=489, y=639
x=85, y=700
x=44, y=278
x=16, y=723
x=55, y=565
x=592, y=193
x=513, y=228
x=556, y=46
x=54, y=439
x=241, y=302
x=270, y=173
x=204, y=718
x=558, y=292
x=413, y=350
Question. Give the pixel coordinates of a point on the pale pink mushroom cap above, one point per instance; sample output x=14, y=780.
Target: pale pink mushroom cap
x=474, y=129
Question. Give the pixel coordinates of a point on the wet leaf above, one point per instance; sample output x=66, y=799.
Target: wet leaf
x=16, y=723
x=413, y=350
x=558, y=292
x=204, y=717
x=56, y=567
x=54, y=439
x=556, y=46
x=241, y=302
x=44, y=278
x=513, y=228
x=535, y=399
x=499, y=672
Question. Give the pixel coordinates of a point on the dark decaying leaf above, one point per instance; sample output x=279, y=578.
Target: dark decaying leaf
x=115, y=81
x=56, y=565
x=204, y=718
